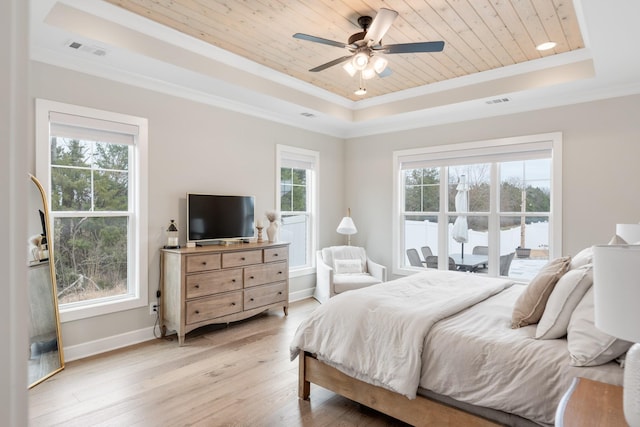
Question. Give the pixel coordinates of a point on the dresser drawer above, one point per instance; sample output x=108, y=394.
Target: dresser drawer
x=214, y=282
x=196, y=263
x=239, y=259
x=203, y=309
x=276, y=254
x=265, y=295
x=265, y=273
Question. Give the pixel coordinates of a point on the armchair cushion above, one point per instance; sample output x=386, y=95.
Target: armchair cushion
x=348, y=266
x=333, y=253
x=348, y=282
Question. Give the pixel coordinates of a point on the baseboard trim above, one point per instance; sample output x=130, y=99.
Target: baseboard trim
x=300, y=295
x=91, y=348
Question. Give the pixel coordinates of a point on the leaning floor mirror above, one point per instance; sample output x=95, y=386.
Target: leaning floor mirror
x=45, y=346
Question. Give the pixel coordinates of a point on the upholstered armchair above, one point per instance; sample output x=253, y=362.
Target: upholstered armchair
x=343, y=268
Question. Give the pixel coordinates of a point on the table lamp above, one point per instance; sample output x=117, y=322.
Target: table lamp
x=629, y=232
x=616, y=283
x=347, y=227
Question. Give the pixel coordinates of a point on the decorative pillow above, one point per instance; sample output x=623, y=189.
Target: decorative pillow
x=564, y=298
x=530, y=304
x=583, y=257
x=348, y=266
x=588, y=345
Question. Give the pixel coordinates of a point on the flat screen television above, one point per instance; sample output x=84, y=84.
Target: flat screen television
x=212, y=218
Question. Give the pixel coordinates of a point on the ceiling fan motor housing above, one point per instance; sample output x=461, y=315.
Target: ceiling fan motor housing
x=365, y=23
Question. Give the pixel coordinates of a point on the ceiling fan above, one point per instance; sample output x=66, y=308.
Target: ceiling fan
x=364, y=46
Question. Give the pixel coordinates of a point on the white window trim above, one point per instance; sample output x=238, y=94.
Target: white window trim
x=140, y=244
x=313, y=199
x=470, y=150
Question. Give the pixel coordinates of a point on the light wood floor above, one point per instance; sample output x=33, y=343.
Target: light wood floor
x=238, y=375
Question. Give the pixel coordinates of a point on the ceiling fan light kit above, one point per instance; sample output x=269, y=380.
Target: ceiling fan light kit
x=362, y=46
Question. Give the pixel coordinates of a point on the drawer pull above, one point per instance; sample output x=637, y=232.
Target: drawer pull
x=233, y=280
x=197, y=311
x=279, y=272
x=197, y=286
x=279, y=292
x=204, y=262
x=233, y=303
x=251, y=277
x=243, y=259
x=275, y=254
x=250, y=299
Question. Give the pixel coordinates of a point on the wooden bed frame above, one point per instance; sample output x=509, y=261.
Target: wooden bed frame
x=420, y=411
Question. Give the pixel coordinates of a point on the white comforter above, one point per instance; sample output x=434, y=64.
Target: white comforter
x=380, y=339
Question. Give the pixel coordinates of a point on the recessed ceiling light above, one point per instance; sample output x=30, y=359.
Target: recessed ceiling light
x=546, y=46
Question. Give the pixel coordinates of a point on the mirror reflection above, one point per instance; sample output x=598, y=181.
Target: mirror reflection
x=45, y=346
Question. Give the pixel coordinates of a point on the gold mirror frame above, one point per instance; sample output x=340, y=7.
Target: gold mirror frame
x=46, y=356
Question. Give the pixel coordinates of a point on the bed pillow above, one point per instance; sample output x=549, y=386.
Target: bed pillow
x=348, y=266
x=583, y=257
x=564, y=298
x=588, y=345
x=530, y=304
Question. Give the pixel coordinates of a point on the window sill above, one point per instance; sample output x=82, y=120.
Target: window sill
x=78, y=312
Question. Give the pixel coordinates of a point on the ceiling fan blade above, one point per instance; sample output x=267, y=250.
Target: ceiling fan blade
x=319, y=40
x=412, y=47
x=386, y=72
x=380, y=25
x=331, y=63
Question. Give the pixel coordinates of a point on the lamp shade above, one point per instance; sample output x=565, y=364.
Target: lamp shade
x=347, y=226
x=616, y=282
x=629, y=232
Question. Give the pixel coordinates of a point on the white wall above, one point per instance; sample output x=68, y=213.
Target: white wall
x=601, y=177
x=197, y=148
x=14, y=182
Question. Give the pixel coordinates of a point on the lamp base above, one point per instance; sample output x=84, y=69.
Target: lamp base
x=631, y=391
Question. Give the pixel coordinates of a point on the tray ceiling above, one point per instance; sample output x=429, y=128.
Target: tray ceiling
x=479, y=35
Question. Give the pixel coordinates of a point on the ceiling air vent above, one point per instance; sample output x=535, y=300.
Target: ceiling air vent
x=498, y=101
x=309, y=115
x=98, y=51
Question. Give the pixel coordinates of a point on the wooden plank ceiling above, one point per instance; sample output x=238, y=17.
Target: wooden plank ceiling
x=479, y=35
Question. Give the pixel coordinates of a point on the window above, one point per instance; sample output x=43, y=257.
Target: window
x=92, y=164
x=499, y=200
x=297, y=178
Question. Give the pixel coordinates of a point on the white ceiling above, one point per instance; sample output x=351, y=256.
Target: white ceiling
x=146, y=54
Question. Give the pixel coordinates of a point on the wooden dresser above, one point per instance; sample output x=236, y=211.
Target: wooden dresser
x=221, y=284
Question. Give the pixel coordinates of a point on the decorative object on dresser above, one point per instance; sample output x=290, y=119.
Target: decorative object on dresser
x=172, y=236
x=617, y=293
x=347, y=226
x=221, y=284
x=259, y=227
x=272, y=230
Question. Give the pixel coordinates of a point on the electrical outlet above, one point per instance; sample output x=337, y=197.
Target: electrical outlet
x=153, y=308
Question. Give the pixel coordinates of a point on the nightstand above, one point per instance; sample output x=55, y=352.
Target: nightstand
x=590, y=403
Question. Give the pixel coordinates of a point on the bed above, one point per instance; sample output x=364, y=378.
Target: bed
x=438, y=348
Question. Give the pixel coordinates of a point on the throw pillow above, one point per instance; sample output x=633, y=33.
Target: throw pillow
x=583, y=257
x=588, y=345
x=564, y=298
x=348, y=266
x=530, y=304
